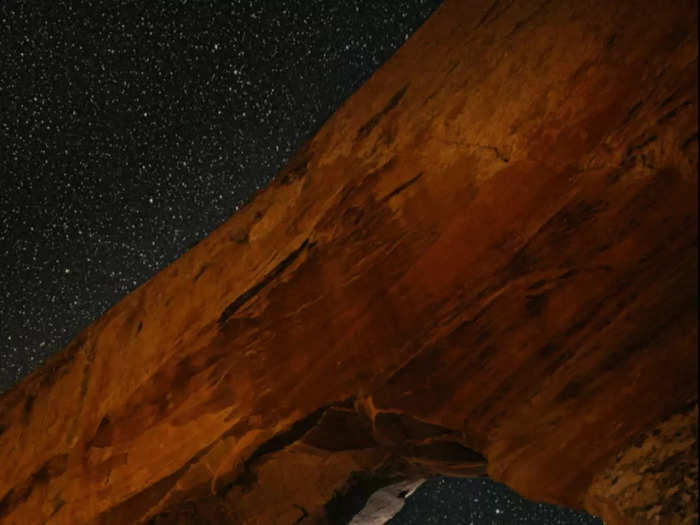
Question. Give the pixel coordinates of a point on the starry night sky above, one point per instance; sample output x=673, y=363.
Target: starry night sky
x=131, y=129
x=443, y=501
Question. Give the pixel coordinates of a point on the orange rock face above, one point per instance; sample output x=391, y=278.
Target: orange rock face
x=487, y=255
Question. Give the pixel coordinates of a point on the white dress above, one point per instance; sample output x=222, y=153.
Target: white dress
x=385, y=503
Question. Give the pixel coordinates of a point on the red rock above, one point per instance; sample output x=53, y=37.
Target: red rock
x=494, y=239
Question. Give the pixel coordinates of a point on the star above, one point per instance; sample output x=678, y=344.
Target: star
x=127, y=135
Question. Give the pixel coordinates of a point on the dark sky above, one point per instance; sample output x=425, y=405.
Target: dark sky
x=131, y=129
x=444, y=501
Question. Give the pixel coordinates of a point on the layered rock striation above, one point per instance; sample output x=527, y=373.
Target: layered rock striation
x=484, y=262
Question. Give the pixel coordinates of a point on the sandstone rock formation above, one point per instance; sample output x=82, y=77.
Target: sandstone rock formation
x=654, y=480
x=485, y=261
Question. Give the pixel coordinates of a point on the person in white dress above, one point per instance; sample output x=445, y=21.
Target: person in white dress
x=386, y=503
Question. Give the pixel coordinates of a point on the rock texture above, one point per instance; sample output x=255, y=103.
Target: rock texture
x=488, y=254
x=655, y=480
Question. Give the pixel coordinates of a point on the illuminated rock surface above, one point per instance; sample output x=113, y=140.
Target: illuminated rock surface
x=485, y=261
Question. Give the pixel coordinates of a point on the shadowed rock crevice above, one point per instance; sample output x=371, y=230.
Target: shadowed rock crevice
x=258, y=287
x=368, y=126
x=272, y=445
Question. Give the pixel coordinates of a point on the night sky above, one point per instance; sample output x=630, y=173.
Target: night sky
x=129, y=130
x=443, y=501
